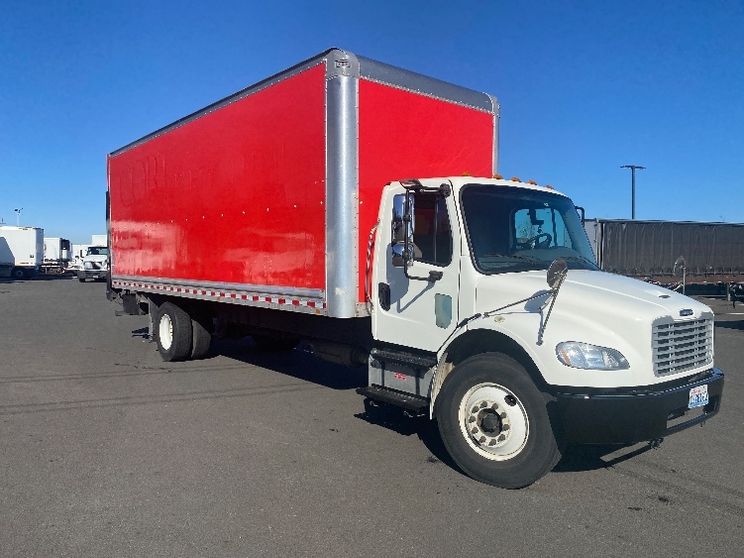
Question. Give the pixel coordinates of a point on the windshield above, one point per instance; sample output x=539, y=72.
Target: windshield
x=97, y=251
x=516, y=229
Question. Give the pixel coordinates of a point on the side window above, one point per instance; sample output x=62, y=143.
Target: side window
x=432, y=235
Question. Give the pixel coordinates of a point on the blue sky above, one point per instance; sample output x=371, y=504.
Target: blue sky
x=585, y=86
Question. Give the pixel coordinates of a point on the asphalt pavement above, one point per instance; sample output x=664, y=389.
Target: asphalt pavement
x=108, y=451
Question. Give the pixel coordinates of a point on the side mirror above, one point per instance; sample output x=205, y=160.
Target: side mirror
x=399, y=210
x=557, y=272
x=402, y=229
x=582, y=213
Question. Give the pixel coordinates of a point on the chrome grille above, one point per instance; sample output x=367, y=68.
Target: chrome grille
x=682, y=346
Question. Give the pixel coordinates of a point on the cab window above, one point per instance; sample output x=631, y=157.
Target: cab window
x=432, y=235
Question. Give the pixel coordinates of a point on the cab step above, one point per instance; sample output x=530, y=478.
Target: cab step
x=406, y=401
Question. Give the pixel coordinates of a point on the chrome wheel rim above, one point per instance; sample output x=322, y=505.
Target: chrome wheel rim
x=165, y=332
x=493, y=421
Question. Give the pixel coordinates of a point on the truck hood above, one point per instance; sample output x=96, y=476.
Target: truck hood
x=597, y=291
x=592, y=307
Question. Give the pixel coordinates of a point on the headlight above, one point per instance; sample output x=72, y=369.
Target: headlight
x=87, y=265
x=590, y=357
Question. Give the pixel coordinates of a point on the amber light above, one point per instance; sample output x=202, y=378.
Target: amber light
x=515, y=179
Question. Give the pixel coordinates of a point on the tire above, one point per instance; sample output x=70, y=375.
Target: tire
x=201, y=337
x=173, y=333
x=494, y=422
x=18, y=273
x=274, y=344
x=81, y=279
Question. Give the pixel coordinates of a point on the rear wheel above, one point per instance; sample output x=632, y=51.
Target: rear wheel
x=173, y=332
x=201, y=338
x=18, y=273
x=494, y=422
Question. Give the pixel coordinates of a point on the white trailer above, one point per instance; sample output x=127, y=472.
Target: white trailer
x=21, y=250
x=56, y=255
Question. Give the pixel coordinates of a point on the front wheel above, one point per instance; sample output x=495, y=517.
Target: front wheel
x=494, y=422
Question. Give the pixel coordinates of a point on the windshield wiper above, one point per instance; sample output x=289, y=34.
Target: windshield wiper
x=581, y=259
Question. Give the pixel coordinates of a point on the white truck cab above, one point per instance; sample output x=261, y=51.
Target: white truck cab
x=489, y=308
x=95, y=264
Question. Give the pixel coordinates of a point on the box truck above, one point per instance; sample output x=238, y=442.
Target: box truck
x=701, y=258
x=321, y=204
x=21, y=250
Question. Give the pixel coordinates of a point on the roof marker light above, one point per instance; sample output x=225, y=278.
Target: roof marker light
x=515, y=179
x=498, y=177
x=533, y=182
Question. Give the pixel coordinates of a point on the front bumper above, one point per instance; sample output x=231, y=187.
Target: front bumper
x=92, y=274
x=630, y=415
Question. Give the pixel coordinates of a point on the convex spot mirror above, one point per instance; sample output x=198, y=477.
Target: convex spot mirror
x=557, y=272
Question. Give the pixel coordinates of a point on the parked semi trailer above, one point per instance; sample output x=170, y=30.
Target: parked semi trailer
x=702, y=258
x=290, y=211
x=57, y=254
x=21, y=251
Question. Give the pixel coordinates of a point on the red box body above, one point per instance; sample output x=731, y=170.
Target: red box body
x=234, y=197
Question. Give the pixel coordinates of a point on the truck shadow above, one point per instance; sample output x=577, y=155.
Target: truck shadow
x=589, y=458
x=296, y=363
x=575, y=458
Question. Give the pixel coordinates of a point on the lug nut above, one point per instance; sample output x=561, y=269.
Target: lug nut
x=474, y=409
x=492, y=443
x=471, y=419
x=505, y=427
x=495, y=406
x=502, y=415
x=482, y=439
x=483, y=404
x=474, y=431
x=502, y=437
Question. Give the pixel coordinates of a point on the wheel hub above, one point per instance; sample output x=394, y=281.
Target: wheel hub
x=488, y=424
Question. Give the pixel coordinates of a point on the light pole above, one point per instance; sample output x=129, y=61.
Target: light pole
x=632, y=168
x=18, y=216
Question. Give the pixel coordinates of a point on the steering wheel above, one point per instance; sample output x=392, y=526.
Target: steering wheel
x=535, y=242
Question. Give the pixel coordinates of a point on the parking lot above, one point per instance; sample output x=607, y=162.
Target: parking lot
x=108, y=451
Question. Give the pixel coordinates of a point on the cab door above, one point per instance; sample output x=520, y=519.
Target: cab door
x=416, y=302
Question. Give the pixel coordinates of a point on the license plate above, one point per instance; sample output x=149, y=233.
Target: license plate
x=698, y=397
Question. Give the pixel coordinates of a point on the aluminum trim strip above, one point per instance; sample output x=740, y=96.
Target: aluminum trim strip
x=419, y=83
x=496, y=108
x=214, y=294
x=239, y=287
x=342, y=184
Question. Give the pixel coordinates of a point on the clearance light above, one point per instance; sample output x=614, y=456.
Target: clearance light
x=549, y=187
x=498, y=177
x=533, y=182
x=515, y=179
